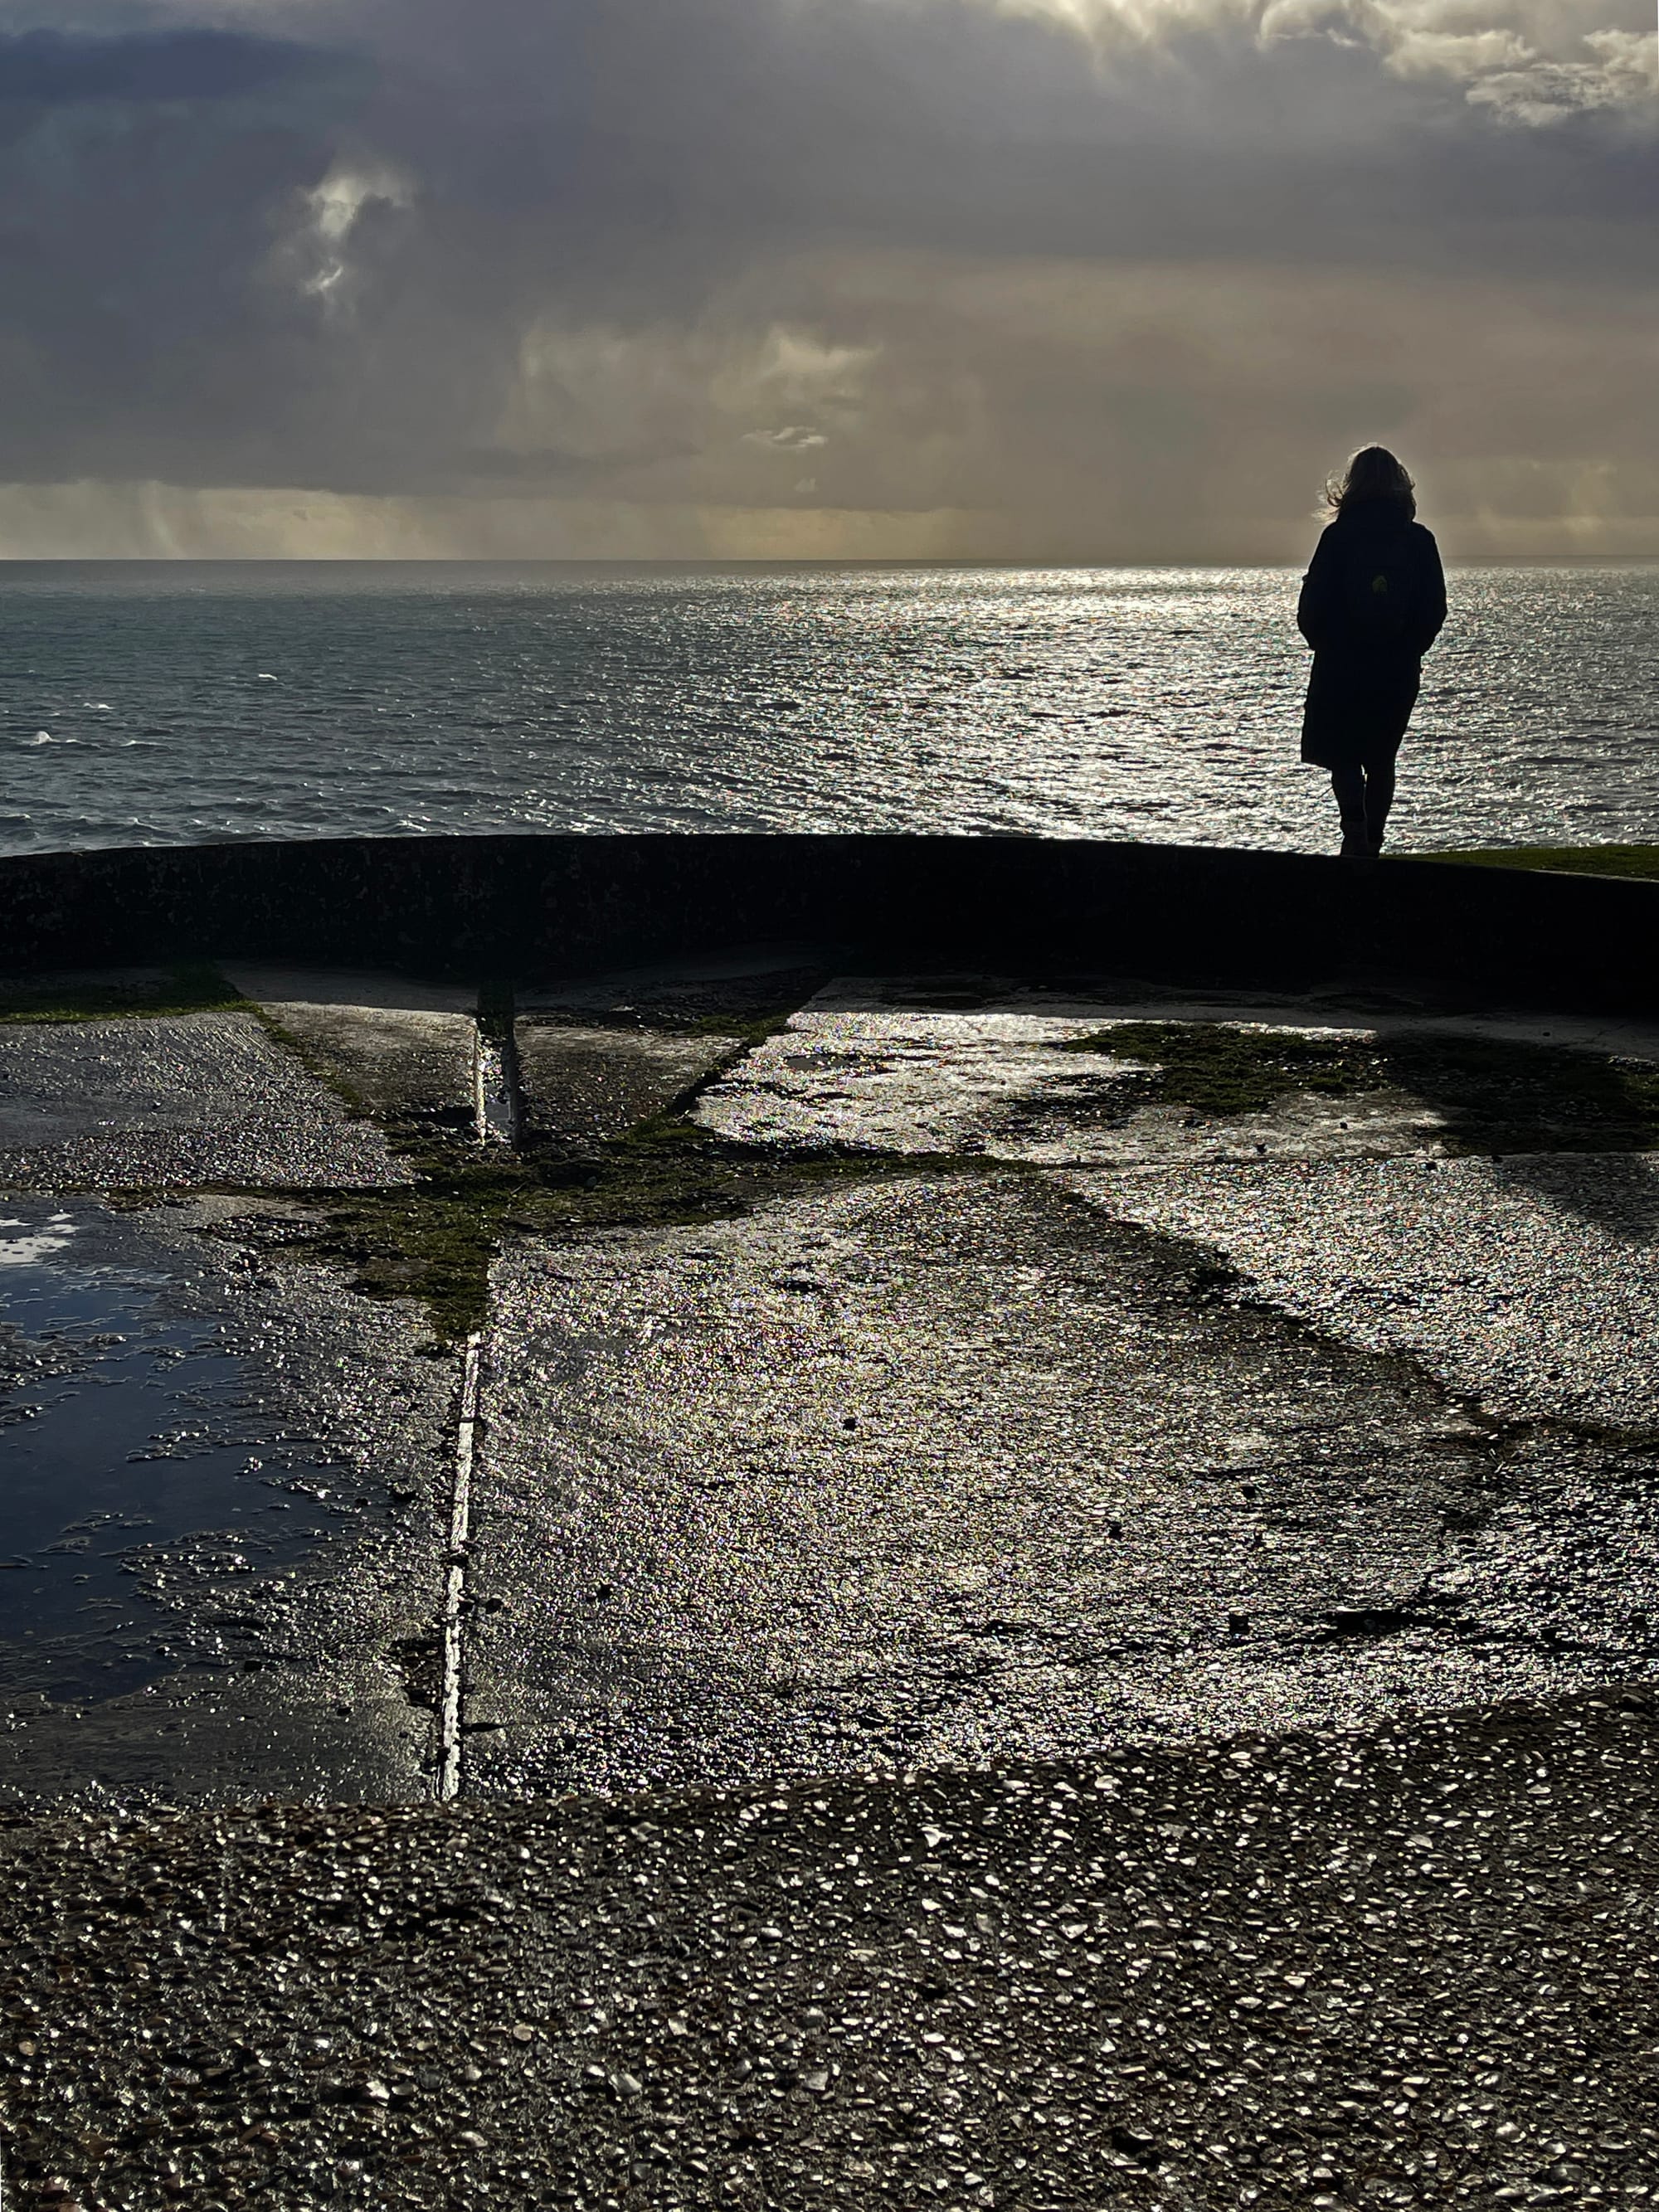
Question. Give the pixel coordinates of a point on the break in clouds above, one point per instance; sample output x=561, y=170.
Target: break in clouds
x=1051, y=279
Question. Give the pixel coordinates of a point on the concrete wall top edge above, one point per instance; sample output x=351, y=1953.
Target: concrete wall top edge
x=520, y=902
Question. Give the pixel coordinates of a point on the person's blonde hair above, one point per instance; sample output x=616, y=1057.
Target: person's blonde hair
x=1373, y=474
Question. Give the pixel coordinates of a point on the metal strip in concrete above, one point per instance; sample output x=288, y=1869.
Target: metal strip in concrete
x=460, y=1531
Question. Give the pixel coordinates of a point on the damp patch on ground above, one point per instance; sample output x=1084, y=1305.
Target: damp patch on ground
x=1055, y=1080
x=952, y=1468
x=128, y=1460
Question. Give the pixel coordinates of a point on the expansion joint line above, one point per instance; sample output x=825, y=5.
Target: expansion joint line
x=480, y=1086
x=460, y=1529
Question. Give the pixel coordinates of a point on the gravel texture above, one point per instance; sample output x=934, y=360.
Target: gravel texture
x=1529, y=1283
x=958, y=1467
x=173, y=1102
x=1412, y=1967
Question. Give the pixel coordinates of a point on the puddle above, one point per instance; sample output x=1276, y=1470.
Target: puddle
x=139, y=1457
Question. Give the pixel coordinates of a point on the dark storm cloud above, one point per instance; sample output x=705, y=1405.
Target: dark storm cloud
x=49, y=69
x=327, y=244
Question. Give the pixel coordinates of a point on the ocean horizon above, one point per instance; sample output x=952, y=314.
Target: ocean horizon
x=167, y=701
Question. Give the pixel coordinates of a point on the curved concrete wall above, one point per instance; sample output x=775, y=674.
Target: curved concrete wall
x=526, y=906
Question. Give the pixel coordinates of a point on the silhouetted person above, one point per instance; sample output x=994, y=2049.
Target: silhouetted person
x=1372, y=603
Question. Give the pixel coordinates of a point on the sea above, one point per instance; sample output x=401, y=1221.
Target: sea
x=172, y=703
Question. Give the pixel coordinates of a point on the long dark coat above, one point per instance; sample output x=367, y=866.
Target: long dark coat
x=1361, y=692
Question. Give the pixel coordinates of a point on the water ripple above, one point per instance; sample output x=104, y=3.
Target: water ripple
x=426, y=697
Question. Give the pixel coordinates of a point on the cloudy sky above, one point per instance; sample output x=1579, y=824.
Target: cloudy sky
x=1055, y=280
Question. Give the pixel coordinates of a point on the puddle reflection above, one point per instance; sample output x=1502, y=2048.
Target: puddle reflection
x=127, y=1427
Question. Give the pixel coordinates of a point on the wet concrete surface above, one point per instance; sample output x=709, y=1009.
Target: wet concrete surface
x=979, y=1064
x=1410, y=1967
x=598, y=1055
x=580, y=1086
x=401, y=1050
x=220, y=1476
x=1529, y=1283
x=916, y=1536
x=974, y=1458
x=173, y=1102
x=375, y=990
x=950, y=1470
x=735, y=987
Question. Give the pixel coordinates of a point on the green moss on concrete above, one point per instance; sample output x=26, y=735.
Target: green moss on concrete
x=322, y=1068
x=1639, y=861
x=1496, y=1095
x=1220, y=1071
x=191, y=989
x=434, y=1239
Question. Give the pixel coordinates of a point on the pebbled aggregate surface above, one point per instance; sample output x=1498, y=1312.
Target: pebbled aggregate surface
x=175, y=1101
x=957, y=1468
x=1414, y=1966
x=1529, y=1283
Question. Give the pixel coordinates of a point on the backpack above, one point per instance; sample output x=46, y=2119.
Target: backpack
x=1381, y=594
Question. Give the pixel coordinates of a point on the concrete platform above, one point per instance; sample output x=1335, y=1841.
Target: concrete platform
x=955, y=1470
x=1013, y=1624
x=1528, y=1284
x=580, y=1086
x=742, y=984
x=596, y=1055
x=1005, y=1427
x=974, y=1065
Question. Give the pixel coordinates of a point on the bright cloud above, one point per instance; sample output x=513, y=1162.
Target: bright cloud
x=1066, y=277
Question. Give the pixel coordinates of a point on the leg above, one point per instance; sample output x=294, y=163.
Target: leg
x=1379, y=797
x=1349, y=785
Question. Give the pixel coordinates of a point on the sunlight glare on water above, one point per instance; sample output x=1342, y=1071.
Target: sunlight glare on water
x=172, y=703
